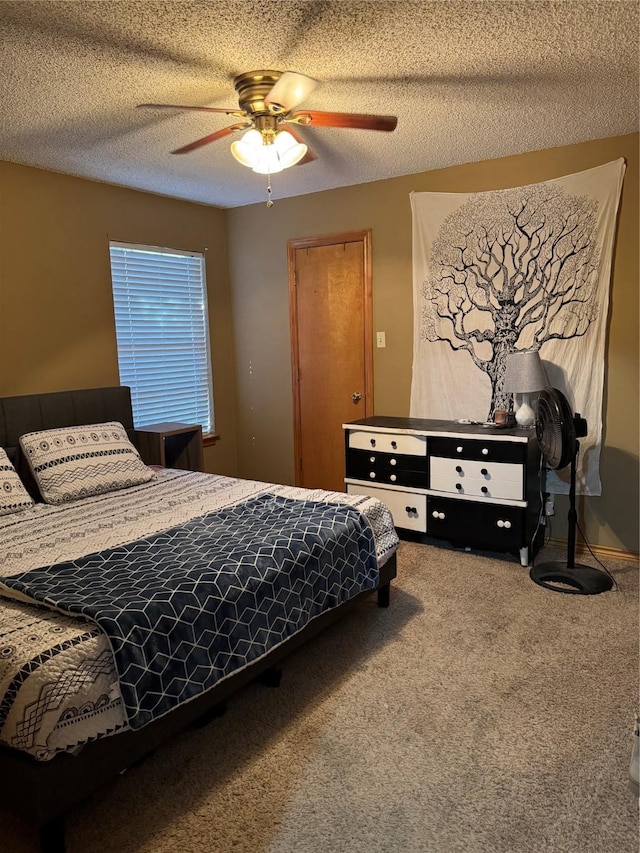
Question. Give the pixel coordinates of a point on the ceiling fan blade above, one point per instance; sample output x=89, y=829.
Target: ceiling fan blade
x=219, y=134
x=229, y=112
x=360, y=121
x=309, y=156
x=291, y=89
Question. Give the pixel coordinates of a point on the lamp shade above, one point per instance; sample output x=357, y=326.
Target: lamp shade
x=524, y=372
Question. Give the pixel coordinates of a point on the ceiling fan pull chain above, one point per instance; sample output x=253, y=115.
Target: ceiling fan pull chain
x=269, y=199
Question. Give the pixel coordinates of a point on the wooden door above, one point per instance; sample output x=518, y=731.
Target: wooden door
x=330, y=293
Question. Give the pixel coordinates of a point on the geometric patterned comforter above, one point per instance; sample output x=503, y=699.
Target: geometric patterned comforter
x=186, y=607
x=59, y=687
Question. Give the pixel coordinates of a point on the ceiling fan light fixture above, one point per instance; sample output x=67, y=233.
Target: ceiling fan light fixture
x=267, y=154
x=290, y=151
x=245, y=149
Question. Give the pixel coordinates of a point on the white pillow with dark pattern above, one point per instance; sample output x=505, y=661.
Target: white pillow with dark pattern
x=75, y=462
x=13, y=495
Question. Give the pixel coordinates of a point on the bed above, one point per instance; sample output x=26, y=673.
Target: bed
x=129, y=613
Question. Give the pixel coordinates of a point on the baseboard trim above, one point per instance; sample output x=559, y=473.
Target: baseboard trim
x=602, y=551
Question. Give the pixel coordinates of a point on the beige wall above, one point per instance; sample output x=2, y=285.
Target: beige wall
x=258, y=271
x=56, y=311
x=56, y=314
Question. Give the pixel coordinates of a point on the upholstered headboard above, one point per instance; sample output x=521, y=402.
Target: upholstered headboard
x=32, y=412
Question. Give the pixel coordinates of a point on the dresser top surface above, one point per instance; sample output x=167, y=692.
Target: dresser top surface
x=423, y=426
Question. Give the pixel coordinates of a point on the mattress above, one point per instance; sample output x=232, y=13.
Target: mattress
x=57, y=675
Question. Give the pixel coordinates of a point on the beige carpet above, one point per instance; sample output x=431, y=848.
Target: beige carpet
x=479, y=713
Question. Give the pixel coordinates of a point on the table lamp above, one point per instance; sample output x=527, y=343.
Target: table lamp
x=524, y=375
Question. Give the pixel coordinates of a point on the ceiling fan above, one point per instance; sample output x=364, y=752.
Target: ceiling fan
x=268, y=102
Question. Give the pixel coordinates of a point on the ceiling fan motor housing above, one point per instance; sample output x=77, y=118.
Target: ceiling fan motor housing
x=252, y=88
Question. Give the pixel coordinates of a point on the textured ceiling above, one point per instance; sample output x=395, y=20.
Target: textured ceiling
x=468, y=81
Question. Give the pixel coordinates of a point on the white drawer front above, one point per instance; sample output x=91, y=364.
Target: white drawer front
x=408, y=509
x=388, y=442
x=492, y=472
x=473, y=483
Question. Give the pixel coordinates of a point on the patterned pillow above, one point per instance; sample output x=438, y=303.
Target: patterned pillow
x=13, y=495
x=79, y=461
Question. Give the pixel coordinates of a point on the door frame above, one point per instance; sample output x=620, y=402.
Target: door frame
x=293, y=245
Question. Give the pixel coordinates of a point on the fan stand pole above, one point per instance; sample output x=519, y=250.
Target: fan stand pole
x=572, y=579
x=572, y=516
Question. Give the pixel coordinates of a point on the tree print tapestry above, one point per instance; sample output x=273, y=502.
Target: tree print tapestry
x=515, y=269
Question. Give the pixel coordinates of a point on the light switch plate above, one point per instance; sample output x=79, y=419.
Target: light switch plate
x=381, y=339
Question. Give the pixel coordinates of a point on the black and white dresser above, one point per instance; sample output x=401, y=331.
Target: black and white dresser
x=475, y=486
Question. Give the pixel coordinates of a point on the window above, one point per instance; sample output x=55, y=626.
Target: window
x=160, y=304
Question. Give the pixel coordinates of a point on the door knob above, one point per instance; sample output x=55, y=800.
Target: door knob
x=356, y=397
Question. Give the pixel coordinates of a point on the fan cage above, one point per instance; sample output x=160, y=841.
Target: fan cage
x=555, y=429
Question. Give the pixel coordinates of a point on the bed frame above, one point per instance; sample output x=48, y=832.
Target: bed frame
x=43, y=792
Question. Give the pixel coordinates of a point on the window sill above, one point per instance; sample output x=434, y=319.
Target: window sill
x=210, y=439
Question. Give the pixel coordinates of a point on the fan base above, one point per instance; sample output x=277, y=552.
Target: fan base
x=579, y=580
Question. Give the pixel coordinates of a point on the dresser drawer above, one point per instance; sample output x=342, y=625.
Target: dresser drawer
x=499, y=480
x=388, y=442
x=474, y=523
x=400, y=469
x=473, y=448
x=408, y=510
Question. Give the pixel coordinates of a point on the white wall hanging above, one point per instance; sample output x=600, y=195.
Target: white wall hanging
x=515, y=269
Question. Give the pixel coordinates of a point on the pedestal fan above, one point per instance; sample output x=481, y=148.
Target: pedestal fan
x=557, y=431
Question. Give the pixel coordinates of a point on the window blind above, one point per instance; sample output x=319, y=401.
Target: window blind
x=160, y=306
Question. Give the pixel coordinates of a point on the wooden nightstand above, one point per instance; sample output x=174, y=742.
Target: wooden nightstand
x=172, y=445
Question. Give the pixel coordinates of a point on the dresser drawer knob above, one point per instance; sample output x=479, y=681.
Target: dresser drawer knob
x=484, y=472
x=484, y=490
x=394, y=444
x=440, y=515
x=372, y=459
x=459, y=486
x=500, y=522
x=485, y=451
x=411, y=510
x=393, y=478
x=458, y=449
x=373, y=442
x=393, y=462
x=372, y=474
x=459, y=469
x=507, y=524
x=435, y=513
